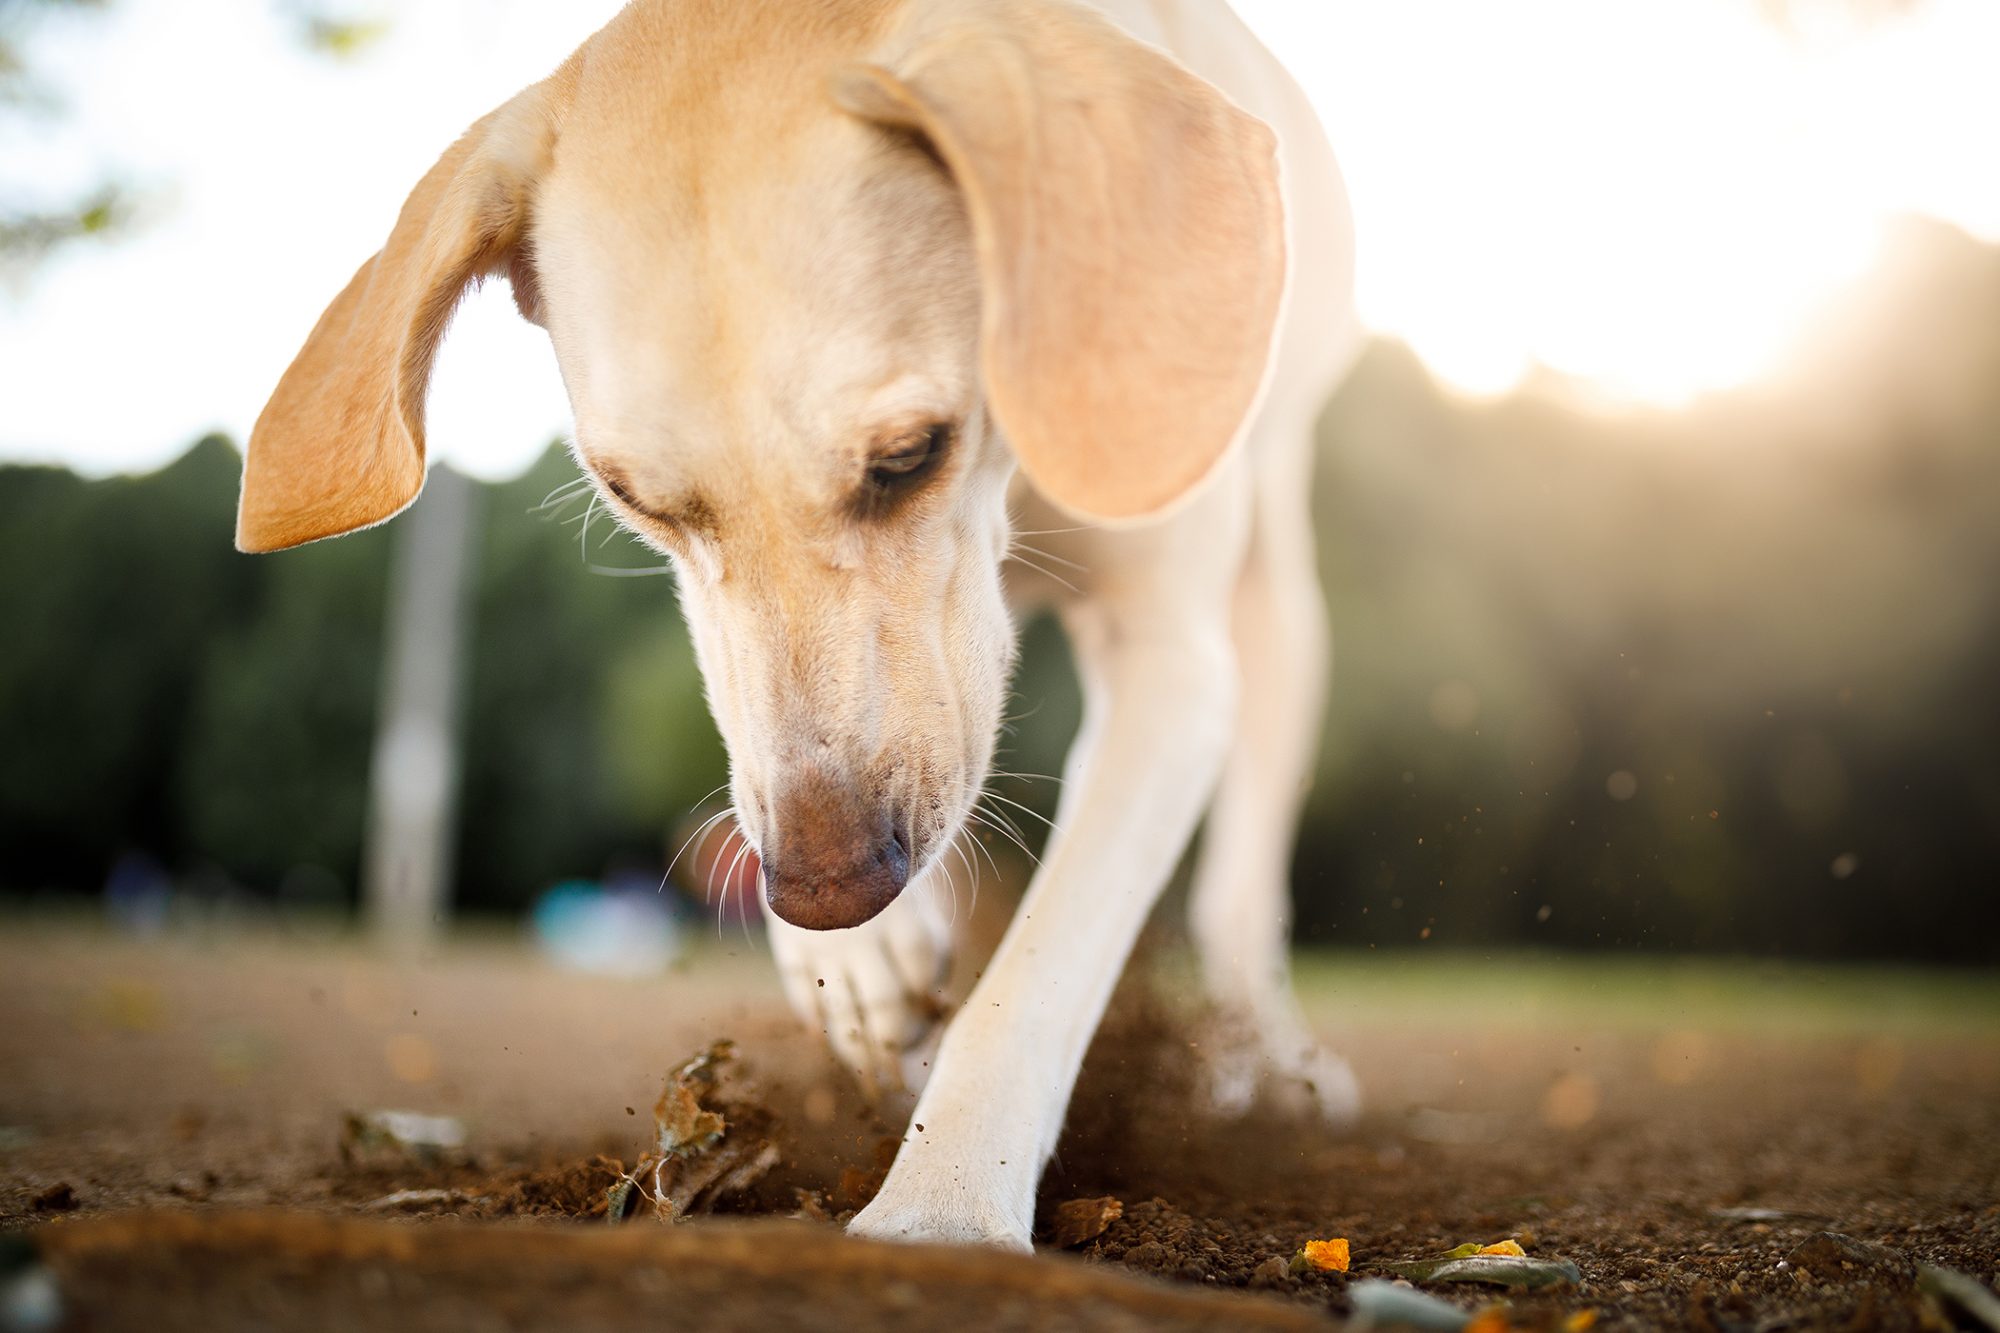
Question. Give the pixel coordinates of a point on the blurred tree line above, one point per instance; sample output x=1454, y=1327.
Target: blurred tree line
x=1721, y=678
x=1718, y=679
x=165, y=695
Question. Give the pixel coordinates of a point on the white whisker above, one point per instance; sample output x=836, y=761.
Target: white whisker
x=972, y=872
x=944, y=873
x=561, y=496
x=1002, y=817
x=1011, y=836
x=1018, y=558
x=979, y=846
x=728, y=878
x=725, y=810
x=1026, y=810
x=1026, y=777
x=1049, y=556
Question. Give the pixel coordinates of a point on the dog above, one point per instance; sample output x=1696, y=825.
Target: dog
x=847, y=295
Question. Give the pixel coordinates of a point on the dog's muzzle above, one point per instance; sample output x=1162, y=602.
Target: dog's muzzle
x=833, y=859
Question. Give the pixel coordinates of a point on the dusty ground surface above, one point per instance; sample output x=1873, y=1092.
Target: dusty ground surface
x=1675, y=1139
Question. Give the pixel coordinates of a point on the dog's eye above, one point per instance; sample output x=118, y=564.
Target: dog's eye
x=914, y=458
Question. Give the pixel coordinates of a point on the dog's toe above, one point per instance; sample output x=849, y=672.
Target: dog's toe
x=875, y=991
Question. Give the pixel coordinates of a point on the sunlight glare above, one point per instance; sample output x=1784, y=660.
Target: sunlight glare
x=1654, y=198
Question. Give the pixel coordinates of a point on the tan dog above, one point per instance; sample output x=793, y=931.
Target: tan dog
x=842, y=292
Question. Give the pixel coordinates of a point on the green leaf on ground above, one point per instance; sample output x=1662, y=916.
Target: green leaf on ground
x=1499, y=1270
x=1961, y=1294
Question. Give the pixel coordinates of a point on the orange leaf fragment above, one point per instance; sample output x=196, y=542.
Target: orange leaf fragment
x=1329, y=1256
x=1512, y=1248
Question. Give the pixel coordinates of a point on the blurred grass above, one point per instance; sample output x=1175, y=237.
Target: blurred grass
x=1643, y=992
x=1339, y=989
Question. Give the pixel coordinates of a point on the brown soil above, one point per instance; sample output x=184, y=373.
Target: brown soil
x=160, y=1105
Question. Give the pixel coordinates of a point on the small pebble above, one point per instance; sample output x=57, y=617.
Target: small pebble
x=1272, y=1272
x=57, y=1198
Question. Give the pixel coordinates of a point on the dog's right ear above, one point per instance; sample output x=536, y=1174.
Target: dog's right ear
x=340, y=446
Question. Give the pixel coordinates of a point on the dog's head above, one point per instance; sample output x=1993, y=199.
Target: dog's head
x=819, y=277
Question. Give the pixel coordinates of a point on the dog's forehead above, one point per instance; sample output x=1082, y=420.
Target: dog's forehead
x=712, y=300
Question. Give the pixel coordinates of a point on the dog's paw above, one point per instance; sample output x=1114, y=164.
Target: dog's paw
x=918, y=1214
x=1280, y=1062
x=876, y=991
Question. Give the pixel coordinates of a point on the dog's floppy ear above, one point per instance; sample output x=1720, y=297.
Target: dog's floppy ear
x=1130, y=238
x=340, y=445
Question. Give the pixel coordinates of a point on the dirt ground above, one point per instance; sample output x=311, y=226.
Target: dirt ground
x=171, y=1152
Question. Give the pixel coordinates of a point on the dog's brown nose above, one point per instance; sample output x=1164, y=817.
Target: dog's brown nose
x=832, y=859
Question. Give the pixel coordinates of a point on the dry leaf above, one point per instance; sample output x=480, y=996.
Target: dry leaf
x=1081, y=1221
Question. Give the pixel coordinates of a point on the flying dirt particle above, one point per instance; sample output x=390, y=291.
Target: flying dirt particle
x=1622, y=785
x=1679, y=1058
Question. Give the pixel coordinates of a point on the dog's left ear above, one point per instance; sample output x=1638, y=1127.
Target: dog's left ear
x=1130, y=238
x=340, y=446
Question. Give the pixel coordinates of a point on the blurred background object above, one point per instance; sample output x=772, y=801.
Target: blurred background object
x=1660, y=523
x=414, y=778
x=620, y=929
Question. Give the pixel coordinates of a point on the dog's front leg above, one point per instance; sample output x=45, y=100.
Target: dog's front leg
x=1159, y=685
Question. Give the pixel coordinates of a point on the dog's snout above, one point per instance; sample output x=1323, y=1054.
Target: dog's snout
x=833, y=858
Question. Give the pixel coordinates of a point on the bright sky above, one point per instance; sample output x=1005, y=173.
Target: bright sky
x=1653, y=196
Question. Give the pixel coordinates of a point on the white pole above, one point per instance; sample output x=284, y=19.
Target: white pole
x=414, y=777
